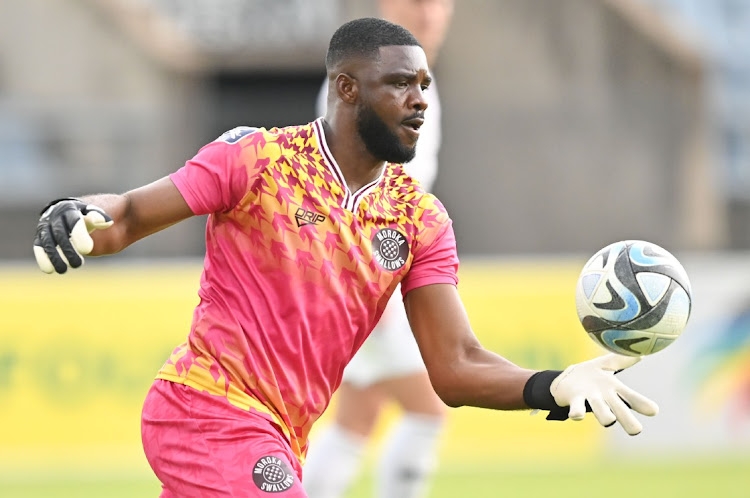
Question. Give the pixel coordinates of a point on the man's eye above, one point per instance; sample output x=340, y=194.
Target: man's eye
x=402, y=84
x=425, y=88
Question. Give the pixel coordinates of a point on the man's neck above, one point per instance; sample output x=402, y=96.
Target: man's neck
x=356, y=163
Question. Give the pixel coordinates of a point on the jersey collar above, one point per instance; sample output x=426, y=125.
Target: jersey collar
x=351, y=199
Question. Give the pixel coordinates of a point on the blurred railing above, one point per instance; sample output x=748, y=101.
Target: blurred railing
x=49, y=150
x=199, y=35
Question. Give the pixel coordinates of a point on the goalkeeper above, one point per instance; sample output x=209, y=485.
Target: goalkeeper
x=388, y=366
x=285, y=305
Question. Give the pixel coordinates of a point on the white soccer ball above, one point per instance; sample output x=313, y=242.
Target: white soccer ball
x=633, y=297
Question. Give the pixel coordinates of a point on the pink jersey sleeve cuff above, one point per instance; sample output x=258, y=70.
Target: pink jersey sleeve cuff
x=187, y=193
x=436, y=263
x=421, y=282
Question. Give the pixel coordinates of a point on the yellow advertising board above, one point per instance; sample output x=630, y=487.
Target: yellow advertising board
x=78, y=353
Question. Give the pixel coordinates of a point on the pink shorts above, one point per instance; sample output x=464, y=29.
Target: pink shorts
x=199, y=445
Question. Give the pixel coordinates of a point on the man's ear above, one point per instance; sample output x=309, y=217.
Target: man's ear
x=347, y=88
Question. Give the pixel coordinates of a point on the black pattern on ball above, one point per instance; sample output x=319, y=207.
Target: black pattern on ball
x=633, y=297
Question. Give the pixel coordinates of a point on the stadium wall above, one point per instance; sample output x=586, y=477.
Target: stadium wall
x=567, y=123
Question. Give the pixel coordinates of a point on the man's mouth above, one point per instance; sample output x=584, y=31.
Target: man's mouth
x=413, y=123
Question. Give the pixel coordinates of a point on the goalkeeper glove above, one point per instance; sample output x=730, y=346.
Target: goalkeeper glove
x=590, y=386
x=62, y=234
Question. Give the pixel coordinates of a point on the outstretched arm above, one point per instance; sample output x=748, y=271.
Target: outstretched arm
x=464, y=373
x=137, y=214
x=104, y=223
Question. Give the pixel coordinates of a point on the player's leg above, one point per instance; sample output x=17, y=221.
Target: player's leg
x=335, y=456
x=390, y=353
x=409, y=456
x=201, y=446
x=358, y=408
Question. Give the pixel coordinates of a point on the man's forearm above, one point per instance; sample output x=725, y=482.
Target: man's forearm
x=482, y=379
x=115, y=239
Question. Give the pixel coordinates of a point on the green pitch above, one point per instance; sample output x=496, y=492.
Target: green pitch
x=700, y=478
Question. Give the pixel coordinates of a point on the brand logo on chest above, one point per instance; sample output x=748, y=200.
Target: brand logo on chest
x=390, y=249
x=305, y=217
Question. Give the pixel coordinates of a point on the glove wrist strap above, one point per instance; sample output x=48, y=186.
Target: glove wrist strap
x=52, y=203
x=536, y=394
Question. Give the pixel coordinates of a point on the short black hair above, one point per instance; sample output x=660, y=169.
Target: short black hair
x=363, y=37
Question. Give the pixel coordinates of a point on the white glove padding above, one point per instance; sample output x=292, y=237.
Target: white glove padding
x=62, y=234
x=594, y=381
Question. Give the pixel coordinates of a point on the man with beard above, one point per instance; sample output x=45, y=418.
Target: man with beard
x=388, y=366
x=310, y=230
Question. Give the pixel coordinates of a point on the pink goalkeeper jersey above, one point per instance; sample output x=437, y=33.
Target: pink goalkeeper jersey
x=298, y=269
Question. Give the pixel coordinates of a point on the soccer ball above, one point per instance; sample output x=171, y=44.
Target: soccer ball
x=633, y=298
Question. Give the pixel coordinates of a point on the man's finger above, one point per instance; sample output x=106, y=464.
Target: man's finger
x=49, y=246
x=577, y=408
x=616, y=362
x=624, y=416
x=638, y=401
x=60, y=232
x=601, y=411
x=97, y=219
x=68, y=252
x=43, y=260
x=80, y=238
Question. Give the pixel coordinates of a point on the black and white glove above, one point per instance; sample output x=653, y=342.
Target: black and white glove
x=590, y=386
x=62, y=234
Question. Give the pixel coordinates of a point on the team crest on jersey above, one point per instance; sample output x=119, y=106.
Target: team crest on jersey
x=390, y=249
x=272, y=475
x=235, y=134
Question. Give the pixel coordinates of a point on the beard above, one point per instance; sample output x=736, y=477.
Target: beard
x=381, y=141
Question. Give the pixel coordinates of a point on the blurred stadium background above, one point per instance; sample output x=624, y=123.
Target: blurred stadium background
x=568, y=124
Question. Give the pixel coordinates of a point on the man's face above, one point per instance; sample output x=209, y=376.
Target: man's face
x=380, y=141
x=391, y=107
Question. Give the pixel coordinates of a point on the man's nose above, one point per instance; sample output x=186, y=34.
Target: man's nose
x=419, y=101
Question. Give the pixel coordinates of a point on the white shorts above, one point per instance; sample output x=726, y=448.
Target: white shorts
x=390, y=350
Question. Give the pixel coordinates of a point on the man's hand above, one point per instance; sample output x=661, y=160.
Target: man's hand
x=62, y=234
x=594, y=382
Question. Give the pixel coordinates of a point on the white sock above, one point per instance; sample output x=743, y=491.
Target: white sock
x=333, y=462
x=409, y=457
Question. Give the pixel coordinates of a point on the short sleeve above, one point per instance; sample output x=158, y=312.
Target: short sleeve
x=216, y=179
x=435, y=262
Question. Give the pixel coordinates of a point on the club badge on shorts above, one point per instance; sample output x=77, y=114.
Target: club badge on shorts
x=390, y=249
x=272, y=475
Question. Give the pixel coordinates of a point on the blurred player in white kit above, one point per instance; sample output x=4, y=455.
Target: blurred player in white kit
x=389, y=365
